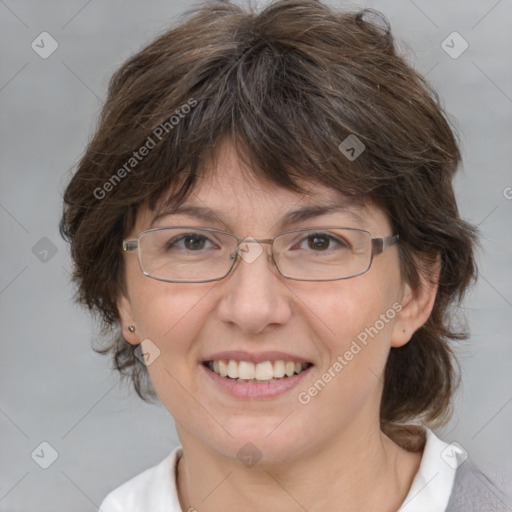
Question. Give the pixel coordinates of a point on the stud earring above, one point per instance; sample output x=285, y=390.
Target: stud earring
x=131, y=328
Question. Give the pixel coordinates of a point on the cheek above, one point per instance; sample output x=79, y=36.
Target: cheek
x=172, y=317
x=170, y=314
x=354, y=321
x=353, y=309
x=157, y=306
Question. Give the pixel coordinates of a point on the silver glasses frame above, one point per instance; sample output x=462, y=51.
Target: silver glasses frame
x=378, y=245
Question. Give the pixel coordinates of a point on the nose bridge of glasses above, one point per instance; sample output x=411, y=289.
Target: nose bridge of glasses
x=250, y=239
x=250, y=248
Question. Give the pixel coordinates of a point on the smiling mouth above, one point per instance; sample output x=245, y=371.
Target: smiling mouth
x=248, y=372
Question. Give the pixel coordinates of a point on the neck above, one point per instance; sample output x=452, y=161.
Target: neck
x=357, y=471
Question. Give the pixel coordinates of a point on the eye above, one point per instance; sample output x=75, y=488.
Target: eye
x=190, y=242
x=321, y=242
x=318, y=242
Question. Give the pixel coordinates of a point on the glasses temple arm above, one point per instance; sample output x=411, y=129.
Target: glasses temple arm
x=130, y=245
x=381, y=244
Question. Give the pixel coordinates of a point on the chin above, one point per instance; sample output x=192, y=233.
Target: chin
x=257, y=439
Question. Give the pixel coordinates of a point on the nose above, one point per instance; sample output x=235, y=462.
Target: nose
x=254, y=296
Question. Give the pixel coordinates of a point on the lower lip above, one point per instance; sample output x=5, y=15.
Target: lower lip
x=253, y=390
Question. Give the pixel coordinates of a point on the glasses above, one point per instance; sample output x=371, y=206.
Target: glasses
x=185, y=254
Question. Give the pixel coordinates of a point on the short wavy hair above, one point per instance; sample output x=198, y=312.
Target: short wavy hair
x=286, y=85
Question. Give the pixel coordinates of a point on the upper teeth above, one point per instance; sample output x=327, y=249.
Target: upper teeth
x=266, y=370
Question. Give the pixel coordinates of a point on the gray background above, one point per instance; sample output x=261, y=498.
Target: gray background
x=54, y=388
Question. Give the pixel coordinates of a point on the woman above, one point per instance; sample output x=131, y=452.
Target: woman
x=266, y=220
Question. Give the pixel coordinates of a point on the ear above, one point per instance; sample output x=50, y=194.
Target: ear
x=416, y=303
x=124, y=308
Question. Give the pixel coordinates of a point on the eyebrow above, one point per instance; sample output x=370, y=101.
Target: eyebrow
x=308, y=212
x=296, y=216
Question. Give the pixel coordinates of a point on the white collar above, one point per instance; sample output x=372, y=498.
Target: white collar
x=432, y=486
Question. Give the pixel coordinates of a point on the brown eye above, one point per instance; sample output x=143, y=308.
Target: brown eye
x=194, y=243
x=319, y=242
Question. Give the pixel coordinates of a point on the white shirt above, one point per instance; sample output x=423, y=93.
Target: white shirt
x=155, y=490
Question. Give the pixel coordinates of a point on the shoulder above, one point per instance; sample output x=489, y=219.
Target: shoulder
x=477, y=491
x=448, y=481
x=154, y=489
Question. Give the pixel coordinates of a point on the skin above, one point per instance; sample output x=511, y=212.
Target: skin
x=328, y=451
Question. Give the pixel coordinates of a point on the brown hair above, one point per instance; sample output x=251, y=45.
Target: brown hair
x=287, y=86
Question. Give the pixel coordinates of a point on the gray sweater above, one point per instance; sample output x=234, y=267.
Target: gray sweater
x=473, y=491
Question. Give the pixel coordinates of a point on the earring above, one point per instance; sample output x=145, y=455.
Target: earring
x=131, y=328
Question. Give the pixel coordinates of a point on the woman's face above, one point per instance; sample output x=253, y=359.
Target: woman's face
x=343, y=329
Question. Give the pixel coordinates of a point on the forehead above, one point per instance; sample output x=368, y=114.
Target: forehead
x=230, y=192
x=229, y=188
